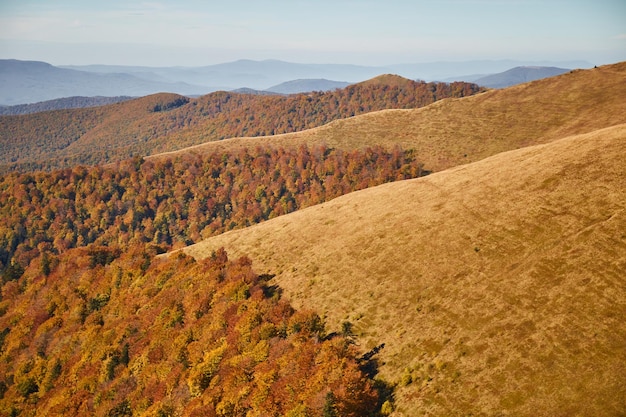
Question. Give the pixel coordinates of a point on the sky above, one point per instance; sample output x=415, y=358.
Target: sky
x=363, y=32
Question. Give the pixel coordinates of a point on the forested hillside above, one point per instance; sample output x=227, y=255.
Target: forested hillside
x=166, y=122
x=93, y=335
x=173, y=203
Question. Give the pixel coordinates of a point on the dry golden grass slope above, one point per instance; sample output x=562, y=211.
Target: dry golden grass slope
x=456, y=131
x=498, y=287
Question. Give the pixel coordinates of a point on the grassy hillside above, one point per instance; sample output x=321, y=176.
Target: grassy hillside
x=497, y=287
x=458, y=131
x=165, y=122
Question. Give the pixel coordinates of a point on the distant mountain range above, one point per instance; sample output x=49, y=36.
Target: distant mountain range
x=518, y=75
x=296, y=86
x=32, y=81
x=257, y=75
x=261, y=75
x=304, y=86
x=504, y=79
x=24, y=82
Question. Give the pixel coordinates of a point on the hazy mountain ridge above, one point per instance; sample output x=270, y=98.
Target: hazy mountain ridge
x=307, y=85
x=258, y=75
x=263, y=74
x=252, y=91
x=50, y=82
x=30, y=82
x=518, y=75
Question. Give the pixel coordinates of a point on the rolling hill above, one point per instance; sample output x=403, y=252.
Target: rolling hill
x=165, y=122
x=457, y=131
x=497, y=287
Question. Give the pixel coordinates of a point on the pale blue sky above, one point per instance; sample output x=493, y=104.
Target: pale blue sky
x=193, y=32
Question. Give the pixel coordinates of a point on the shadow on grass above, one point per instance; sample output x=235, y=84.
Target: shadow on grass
x=369, y=365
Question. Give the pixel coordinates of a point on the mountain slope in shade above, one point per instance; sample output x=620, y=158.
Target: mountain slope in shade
x=518, y=75
x=61, y=103
x=457, y=131
x=307, y=85
x=497, y=287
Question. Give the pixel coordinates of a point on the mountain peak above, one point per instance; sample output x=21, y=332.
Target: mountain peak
x=388, y=79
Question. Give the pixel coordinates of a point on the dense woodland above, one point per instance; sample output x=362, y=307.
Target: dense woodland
x=100, y=335
x=173, y=203
x=165, y=122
